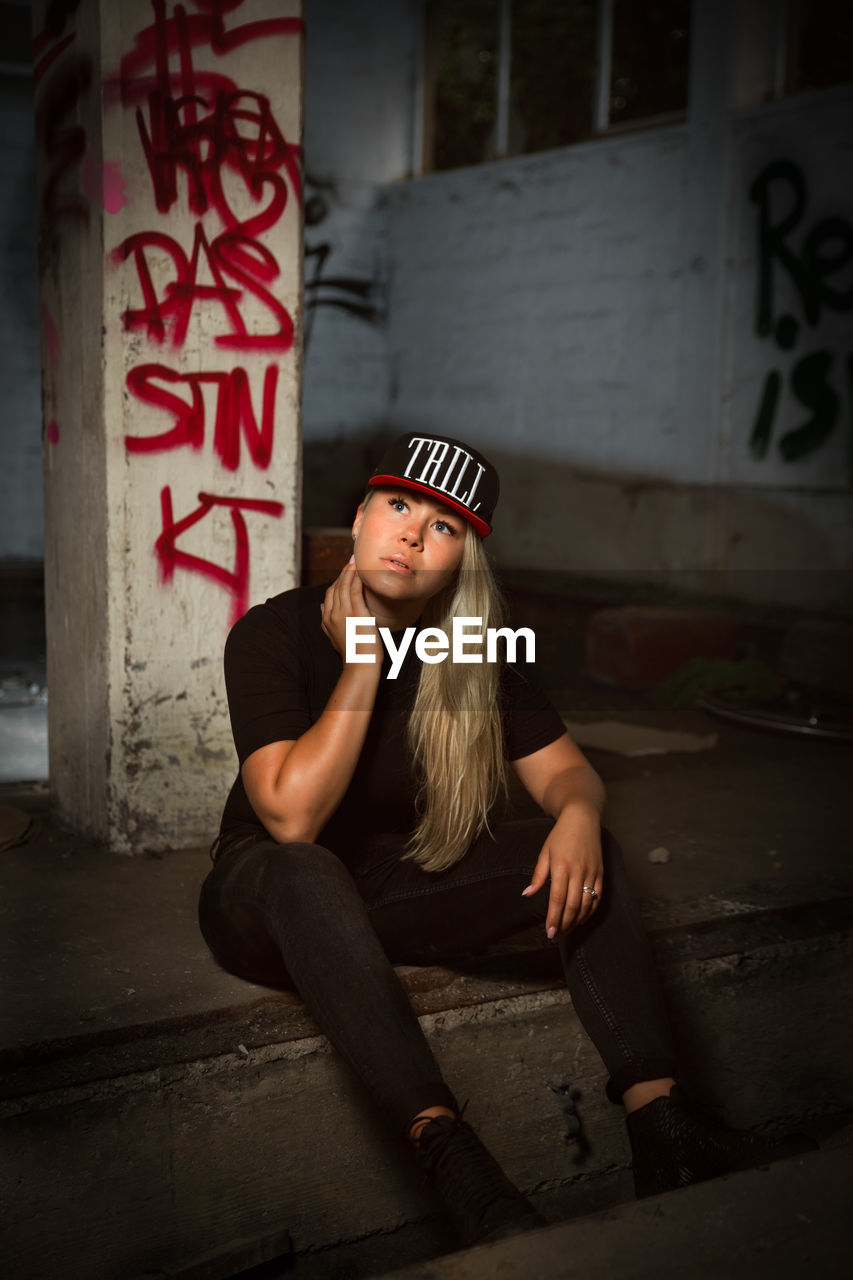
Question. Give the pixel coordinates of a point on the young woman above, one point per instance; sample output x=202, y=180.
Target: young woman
x=366, y=829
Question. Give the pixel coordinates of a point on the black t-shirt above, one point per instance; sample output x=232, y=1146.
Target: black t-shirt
x=280, y=670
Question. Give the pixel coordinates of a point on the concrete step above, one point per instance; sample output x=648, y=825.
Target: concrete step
x=154, y=1149
x=790, y=1220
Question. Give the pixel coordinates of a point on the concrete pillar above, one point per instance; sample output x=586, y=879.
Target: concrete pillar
x=170, y=235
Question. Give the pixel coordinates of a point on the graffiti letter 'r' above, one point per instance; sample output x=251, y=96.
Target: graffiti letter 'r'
x=825, y=252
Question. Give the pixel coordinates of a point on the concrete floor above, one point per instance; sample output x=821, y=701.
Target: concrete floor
x=23, y=683
x=23, y=728
x=781, y=1223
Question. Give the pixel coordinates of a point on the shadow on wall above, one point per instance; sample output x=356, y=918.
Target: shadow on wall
x=779, y=546
x=335, y=475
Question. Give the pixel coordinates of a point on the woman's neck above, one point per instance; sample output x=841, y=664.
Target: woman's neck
x=393, y=614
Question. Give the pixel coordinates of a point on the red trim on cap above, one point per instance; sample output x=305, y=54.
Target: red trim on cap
x=392, y=481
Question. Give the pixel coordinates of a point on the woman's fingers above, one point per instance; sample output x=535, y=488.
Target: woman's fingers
x=558, y=904
x=576, y=905
x=540, y=873
x=343, y=599
x=591, y=901
x=352, y=592
x=331, y=606
x=588, y=890
x=347, y=593
x=568, y=904
x=588, y=902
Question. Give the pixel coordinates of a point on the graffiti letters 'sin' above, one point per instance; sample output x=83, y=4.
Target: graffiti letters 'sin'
x=234, y=580
x=235, y=413
x=819, y=272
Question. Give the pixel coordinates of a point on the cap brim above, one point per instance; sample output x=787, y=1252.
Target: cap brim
x=399, y=481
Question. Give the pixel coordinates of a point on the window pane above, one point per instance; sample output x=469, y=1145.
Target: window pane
x=649, y=70
x=820, y=44
x=552, y=73
x=462, y=60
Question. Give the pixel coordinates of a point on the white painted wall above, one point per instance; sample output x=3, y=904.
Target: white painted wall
x=535, y=305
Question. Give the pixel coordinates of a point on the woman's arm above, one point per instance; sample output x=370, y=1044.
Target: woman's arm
x=294, y=787
x=565, y=785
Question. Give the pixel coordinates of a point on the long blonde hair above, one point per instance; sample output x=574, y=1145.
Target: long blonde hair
x=455, y=729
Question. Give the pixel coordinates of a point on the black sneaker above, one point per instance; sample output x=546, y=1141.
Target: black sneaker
x=675, y=1143
x=480, y=1197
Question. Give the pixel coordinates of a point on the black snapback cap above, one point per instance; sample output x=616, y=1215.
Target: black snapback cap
x=455, y=473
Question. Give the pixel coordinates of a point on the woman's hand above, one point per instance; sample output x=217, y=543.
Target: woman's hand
x=564, y=783
x=571, y=856
x=345, y=599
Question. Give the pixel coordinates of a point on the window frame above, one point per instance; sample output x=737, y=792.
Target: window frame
x=601, y=124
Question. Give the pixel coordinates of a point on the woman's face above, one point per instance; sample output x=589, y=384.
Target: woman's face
x=408, y=545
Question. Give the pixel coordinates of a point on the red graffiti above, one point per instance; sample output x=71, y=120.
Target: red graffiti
x=231, y=255
x=184, y=32
x=238, y=133
x=234, y=413
x=201, y=122
x=218, y=145
x=236, y=580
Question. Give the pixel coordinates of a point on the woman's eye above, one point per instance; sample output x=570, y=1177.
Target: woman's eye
x=444, y=527
x=397, y=503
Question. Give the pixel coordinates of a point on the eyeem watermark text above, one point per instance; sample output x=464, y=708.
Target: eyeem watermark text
x=433, y=645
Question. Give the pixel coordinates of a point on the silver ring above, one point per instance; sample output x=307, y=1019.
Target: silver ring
x=593, y=893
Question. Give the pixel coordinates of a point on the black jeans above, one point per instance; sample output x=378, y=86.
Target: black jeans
x=297, y=915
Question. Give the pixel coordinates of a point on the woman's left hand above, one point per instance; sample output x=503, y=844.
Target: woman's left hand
x=571, y=856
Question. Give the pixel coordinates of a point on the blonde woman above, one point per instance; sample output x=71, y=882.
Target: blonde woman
x=365, y=829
